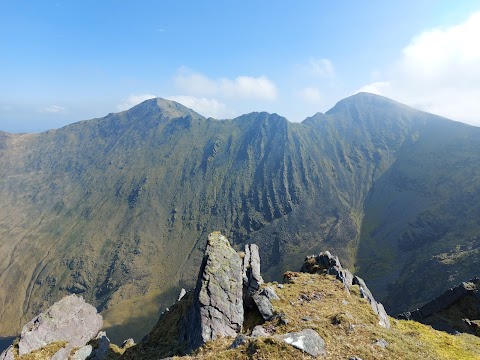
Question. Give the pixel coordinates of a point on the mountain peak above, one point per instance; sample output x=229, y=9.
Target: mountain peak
x=365, y=99
x=168, y=108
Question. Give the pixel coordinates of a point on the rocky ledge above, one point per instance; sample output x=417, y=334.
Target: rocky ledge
x=456, y=310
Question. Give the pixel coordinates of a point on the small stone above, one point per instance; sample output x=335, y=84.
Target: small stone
x=259, y=331
x=306, y=340
x=283, y=320
x=280, y=286
x=239, y=341
x=128, y=343
x=354, y=358
x=381, y=343
x=182, y=294
x=306, y=318
x=264, y=305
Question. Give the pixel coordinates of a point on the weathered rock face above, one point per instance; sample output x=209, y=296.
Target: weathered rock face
x=71, y=320
x=218, y=302
x=327, y=263
x=457, y=309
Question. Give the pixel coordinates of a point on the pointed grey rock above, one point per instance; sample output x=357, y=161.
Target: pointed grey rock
x=252, y=279
x=218, y=305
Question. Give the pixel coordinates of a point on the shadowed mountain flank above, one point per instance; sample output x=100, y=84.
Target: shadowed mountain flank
x=117, y=209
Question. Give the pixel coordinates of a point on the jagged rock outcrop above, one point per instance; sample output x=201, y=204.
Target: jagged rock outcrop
x=70, y=320
x=456, y=310
x=326, y=262
x=218, y=302
x=252, y=278
x=329, y=264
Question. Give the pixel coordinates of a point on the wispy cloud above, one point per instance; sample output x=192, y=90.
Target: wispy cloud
x=53, y=109
x=132, y=100
x=317, y=67
x=242, y=87
x=438, y=71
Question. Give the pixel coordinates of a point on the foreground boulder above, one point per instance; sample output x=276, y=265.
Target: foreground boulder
x=456, y=310
x=329, y=264
x=214, y=309
x=70, y=322
x=218, y=306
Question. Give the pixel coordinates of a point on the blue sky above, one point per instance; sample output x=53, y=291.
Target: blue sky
x=65, y=61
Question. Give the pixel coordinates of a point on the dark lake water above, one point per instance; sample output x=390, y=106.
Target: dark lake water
x=5, y=342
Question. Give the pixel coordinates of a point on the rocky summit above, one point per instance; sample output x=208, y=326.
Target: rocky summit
x=315, y=313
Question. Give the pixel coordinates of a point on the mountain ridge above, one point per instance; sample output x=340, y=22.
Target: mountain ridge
x=110, y=208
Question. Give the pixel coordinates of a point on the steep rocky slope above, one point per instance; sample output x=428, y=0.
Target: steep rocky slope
x=117, y=208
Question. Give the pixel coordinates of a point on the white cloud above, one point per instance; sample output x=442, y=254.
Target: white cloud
x=194, y=83
x=204, y=106
x=248, y=87
x=311, y=95
x=322, y=68
x=132, y=100
x=53, y=109
x=241, y=87
x=439, y=72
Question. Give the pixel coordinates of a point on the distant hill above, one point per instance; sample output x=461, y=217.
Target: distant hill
x=117, y=208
